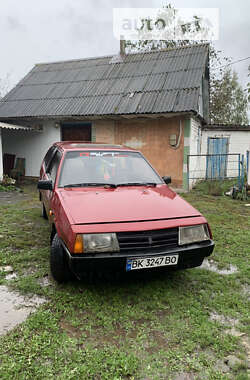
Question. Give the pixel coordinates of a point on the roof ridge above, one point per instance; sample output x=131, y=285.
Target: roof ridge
x=129, y=54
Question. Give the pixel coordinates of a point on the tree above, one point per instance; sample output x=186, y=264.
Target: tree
x=248, y=85
x=172, y=24
x=228, y=102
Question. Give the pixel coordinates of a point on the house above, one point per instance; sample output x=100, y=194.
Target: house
x=155, y=102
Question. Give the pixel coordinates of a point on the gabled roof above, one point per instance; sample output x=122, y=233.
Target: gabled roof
x=153, y=82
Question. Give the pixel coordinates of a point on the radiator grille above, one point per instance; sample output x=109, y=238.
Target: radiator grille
x=148, y=240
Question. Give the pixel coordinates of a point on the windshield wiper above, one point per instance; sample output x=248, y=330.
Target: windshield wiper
x=90, y=184
x=137, y=184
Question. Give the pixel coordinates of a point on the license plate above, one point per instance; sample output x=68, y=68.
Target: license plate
x=151, y=262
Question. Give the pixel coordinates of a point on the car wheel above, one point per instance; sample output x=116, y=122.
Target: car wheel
x=58, y=262
x=44, y=213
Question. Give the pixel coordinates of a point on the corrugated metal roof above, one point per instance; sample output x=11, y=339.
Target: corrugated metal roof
x=153, y=82
x=13, y=126
x=227, y=127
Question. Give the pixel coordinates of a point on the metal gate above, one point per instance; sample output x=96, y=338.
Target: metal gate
x=229, y=166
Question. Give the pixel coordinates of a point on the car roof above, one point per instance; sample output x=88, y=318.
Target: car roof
x=76, y=145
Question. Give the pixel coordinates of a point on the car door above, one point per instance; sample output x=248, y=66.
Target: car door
x=51, y=174
x=46, y=161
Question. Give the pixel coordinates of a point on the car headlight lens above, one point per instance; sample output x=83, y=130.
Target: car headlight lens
x=100, y=243
x=192, y=234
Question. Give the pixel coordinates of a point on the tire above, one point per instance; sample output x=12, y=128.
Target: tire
x=58, y=262
x=44, y=213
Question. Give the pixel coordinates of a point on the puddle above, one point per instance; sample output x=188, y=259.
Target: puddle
x=209, y=265
x=6, y=269
x=11, y=276
x=223, y=320
x=14, y=308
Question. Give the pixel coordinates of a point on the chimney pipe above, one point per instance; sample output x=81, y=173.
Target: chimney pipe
x=122, y=46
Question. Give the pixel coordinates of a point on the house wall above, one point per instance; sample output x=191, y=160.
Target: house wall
x=103, y=131
x=31, y=145
x=195, y=163
x=151, y=137
x=1, y=157
x=239, y=142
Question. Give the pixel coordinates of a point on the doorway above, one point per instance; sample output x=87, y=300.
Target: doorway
x=217, y=161
x=76, y=132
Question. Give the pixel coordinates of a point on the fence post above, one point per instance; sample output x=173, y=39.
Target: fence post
x=243, y=171
x=248, y=168
x=239, y=173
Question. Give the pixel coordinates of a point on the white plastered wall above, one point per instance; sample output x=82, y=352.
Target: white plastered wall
x=239, y=141
x=1, y=157
x=31, y=145
x=195, y=143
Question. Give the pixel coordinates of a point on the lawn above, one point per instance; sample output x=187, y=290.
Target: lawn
x=155, y=325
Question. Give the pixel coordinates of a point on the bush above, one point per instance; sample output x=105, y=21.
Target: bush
x=7, y=183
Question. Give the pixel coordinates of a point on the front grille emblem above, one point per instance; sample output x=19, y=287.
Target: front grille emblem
x=150, y=240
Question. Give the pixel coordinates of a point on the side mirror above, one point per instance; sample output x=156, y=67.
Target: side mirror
x=166, y=179
x=45, y=185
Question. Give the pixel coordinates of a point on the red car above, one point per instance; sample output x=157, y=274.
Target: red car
x=109, y=209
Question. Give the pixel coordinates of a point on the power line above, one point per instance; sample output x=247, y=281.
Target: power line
x=232, y=63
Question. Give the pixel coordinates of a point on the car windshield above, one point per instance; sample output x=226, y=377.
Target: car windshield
x=110, y=168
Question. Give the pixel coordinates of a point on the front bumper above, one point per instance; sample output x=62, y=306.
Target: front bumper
x=190, y=256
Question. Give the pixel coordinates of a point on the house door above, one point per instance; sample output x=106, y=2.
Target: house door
x=76, y=132
x=217, y=164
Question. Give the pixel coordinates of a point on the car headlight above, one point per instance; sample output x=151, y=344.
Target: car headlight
x=192, y=234
x=100, y=243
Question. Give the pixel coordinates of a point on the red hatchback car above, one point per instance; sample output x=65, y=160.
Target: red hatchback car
x=109, y=210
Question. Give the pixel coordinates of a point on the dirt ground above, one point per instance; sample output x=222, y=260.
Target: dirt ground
x=12, y=197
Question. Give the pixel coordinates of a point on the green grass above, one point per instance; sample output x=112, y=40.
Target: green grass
x=142, y=325
x=214, y=187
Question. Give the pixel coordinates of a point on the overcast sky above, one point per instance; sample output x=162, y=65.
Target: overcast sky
x=46, y=31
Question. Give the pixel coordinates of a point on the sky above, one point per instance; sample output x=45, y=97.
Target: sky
x=46, y=31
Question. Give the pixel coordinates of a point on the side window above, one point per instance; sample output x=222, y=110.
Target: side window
x=53, y=166
x=48, y=157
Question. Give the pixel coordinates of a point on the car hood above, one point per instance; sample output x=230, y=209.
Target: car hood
x=123, y=204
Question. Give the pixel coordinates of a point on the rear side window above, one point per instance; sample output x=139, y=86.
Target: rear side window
x=54, y=165
x=49, y=156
